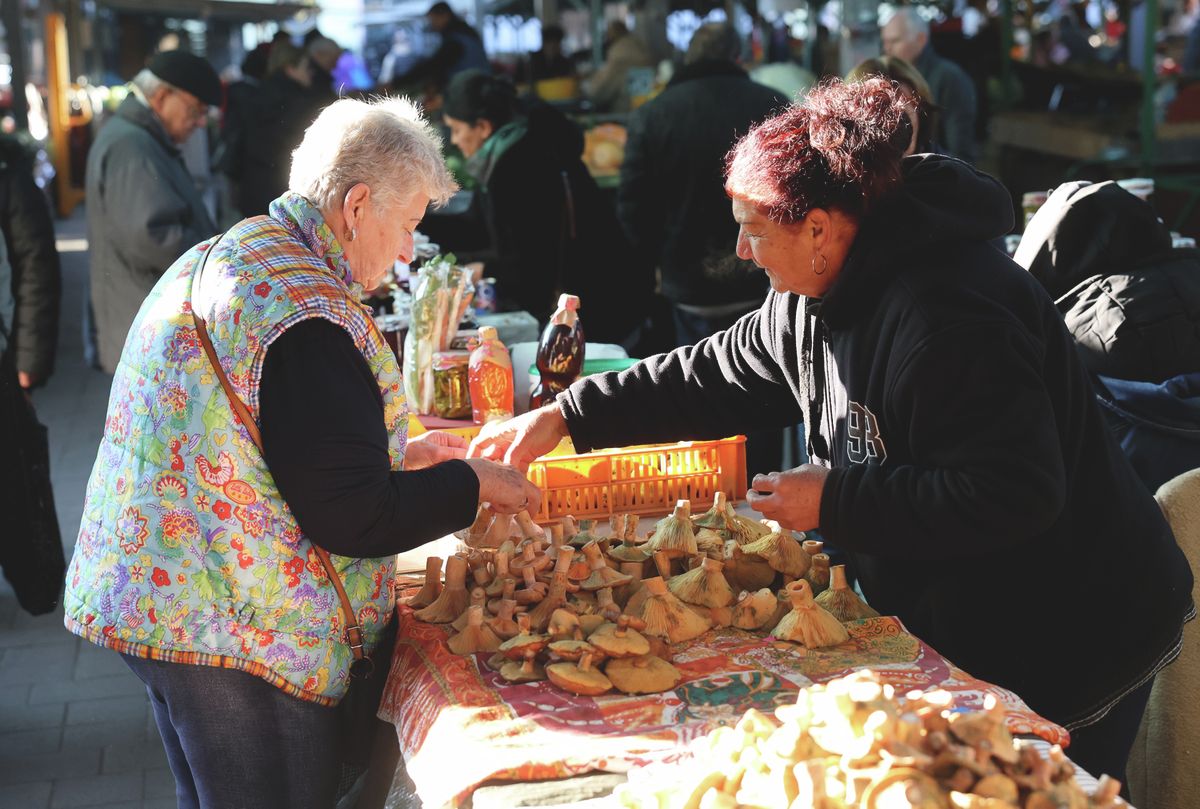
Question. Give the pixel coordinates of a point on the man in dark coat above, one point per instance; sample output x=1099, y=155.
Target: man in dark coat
x=36, y=276
x=461, y=49
x=906, y=35
x=672, y=201
x=143, y=208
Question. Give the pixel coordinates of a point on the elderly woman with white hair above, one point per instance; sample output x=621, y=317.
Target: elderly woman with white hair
x=255, y=479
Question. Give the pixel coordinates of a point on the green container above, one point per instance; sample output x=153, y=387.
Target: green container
x=597, y=366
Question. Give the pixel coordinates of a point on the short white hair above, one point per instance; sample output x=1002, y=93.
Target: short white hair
x=383, y=142
x=914, y=23
x=148, y=83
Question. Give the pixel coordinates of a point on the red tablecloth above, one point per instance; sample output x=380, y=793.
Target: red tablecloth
x=459, y=724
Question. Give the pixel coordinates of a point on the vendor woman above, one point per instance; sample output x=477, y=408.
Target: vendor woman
x=958, y=453
x=205, y=560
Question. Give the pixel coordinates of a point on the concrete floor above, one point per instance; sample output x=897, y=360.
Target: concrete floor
x=75, y=724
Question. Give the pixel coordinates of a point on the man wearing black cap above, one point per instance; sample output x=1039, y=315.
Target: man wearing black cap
x=143, y=208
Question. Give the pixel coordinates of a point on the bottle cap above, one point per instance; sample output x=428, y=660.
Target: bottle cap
x=566, y=301
x=487, y=333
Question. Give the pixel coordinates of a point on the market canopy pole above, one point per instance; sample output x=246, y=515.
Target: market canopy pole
x=1149, y=87
x=58, y=80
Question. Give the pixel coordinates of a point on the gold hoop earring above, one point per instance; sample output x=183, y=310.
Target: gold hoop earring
x=352, y=235
x=824, y=264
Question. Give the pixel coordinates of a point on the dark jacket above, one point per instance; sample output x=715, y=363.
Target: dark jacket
x=954, y=93
x=36, y=276
x=1132, y=303
x=551, y=230
x=460, y=49
x=143, y=211
x=672, y=200
x=972, y=480
x=241, y=103
x=276, y=126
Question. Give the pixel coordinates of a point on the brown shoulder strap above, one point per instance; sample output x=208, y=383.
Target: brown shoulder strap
x=354, y=633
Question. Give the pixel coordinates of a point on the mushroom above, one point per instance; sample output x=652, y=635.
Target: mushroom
x=807, y=623
x=618, y=639
x=556, y=597
x=625, y=592
x=719, y=617
x=526, y=641
x=644, y=674
x=579, y=678
x=564, y=625
x=497, y=661
x=584, y=535
x=812, y=547
x=478, y=599
x=842, y=602
x=665, y=615
x=986, y=730
x=674, y=535
x=782, y=552
x=504, y=623
x=755, y=609
x=526, y=671
x=473, y=534
x=507, y=592
x=818, y=574
x=498, y=532
x=662, y=563
x=629, y=551
x=715, y=519
x=574, y=650
x=704, y=586
x=501, y=574
x=534, y=590
x=529, y=558
x=431, y=588
x=530, y=529
x=476, y=636
x=747, y=571
x=601, y=574
x=453, y=599
x=710, y=543
x=590, y=623
x=606, y=605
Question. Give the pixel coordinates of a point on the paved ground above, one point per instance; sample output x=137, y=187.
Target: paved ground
x=75, y=724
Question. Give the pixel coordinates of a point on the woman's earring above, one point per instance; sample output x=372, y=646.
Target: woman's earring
x=353, y=234
x=824, y=264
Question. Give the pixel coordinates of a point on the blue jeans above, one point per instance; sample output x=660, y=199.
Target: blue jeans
x=234, y=741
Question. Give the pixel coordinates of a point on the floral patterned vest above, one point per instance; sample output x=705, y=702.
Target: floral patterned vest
x=187, y=552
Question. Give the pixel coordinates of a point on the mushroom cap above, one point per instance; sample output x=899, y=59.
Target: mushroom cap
x=570, y=677
x=591, y=622
x=629, y=551
x=563, y=621
x=645, y=674
x=514, y=672
x=782, y=552
x=606, y=639
x=604, y=576
x=574, y=649
x=515, y=648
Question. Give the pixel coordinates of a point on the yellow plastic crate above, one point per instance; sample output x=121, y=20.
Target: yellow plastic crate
x=643, y=480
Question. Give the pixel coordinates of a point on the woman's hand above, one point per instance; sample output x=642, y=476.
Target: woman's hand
x=429, y=449
x=522, y=440
x=791, y=498
x=504, y=488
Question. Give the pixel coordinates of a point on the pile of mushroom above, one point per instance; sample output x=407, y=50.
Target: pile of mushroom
x=517, y=582
x=855, y=743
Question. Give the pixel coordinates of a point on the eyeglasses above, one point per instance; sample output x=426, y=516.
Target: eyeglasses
x=197, y=110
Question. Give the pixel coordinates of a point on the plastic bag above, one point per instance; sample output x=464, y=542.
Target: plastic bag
x=441, y=293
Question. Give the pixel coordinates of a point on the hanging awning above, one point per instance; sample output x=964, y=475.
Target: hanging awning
x=230, y=10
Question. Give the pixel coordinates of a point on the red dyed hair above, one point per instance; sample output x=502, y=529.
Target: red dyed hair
x=840, y=148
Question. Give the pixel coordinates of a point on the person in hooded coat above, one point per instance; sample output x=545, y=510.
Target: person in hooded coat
x=959, y=455
x=550, y=229
x=1132, y=303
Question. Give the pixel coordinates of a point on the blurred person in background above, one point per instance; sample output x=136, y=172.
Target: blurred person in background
x=284, y=110
x=28, y=230
x=550, y=228
x=549, y=61
x=906, y=35
x=608, y=87
x=461, y=48
x=922, y=112
x=323, y=55
x=241, y=103
x=143, y=207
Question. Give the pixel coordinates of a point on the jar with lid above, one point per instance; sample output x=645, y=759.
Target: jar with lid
x=451, y=386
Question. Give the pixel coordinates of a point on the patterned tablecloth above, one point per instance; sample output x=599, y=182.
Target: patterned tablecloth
x=460, y=724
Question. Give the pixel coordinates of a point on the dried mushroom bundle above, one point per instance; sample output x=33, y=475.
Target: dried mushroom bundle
x=716, y=518
x=674, y=535
x=432, y=587
x=453, y=599
x=704, y=586
x=710, y=543
x=747, y=571
x=855, y=743
x=478, y=599
x=755, y=610
x=476, y=636
x=818, y=575
x=667, y=616
x=841, y=601
x=807, y=623
x=782, y=552
x=662, y=563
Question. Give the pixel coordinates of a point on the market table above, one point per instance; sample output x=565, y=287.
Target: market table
x=460, y=725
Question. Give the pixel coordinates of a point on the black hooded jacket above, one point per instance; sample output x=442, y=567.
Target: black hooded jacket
x=972, y=482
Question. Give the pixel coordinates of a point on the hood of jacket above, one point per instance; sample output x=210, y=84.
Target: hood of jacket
x=706, y=68
x=940, y=200
x=1084, y=230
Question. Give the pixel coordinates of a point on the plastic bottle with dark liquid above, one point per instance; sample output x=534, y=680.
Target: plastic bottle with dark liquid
x=560, y=352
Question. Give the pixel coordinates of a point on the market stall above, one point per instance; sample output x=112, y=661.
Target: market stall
x=463, y=724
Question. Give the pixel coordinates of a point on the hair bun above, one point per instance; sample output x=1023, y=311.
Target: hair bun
x=826, y=133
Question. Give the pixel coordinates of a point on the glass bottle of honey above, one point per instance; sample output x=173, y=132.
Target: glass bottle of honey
x=491, y=378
